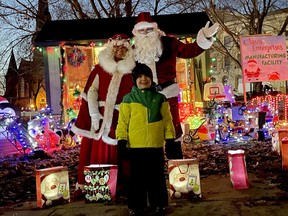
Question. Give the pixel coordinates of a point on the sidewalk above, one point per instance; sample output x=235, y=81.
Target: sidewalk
x=219, y=198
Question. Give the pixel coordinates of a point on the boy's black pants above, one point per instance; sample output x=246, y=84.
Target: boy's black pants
x=147, y=178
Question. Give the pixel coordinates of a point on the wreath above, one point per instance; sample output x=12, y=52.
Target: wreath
x=76, y=57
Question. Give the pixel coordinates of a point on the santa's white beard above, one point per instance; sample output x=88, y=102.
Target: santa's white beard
x=148, y=48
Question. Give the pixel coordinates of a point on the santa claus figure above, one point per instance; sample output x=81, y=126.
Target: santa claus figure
x=96, y=122
x=159, y=52
x=252, y=70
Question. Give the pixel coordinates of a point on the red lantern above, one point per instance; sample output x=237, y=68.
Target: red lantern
x=284, y=153
x=237, y=168
x=282, y=133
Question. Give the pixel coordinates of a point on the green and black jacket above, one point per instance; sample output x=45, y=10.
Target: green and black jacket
x=145, y=119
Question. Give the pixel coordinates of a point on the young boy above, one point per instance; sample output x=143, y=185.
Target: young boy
x=144, y=124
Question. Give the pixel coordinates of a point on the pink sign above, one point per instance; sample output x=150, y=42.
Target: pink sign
x=263, y=58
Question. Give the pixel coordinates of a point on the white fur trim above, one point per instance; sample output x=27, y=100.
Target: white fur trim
x=109, y=140
x=92, y=96
x=109, y=109
x=103, y=104
x=117, y=70
x=153, y=69
x=81, y=132
x=143, y=25
x=202, y=41
x=171, y=91
x=106, y=60
x=178, y=139
x=84, y=96
x=112, y=43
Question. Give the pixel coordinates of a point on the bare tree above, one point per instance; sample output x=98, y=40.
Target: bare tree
x=19, y=19
x=241, y=17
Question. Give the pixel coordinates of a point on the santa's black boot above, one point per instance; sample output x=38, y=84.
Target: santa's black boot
x=178, y=150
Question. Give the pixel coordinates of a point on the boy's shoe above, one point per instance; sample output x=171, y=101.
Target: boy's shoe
x=158, y=211
x=79, y=192
x=136, y=212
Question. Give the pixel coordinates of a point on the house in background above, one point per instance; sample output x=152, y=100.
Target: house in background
x=25, y=84
x=70, y=49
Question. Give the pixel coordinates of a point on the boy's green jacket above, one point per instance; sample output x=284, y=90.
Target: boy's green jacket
x=145, y=119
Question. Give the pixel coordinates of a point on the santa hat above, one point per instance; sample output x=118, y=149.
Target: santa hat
x=3, y=100
x=252, y=61
x=144, y=20
x=119, y=39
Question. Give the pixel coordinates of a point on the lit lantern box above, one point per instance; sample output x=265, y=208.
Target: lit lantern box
x=281, y=134
x=100, y=182
x=275, y=141
x=284, y=153
x=237, y=168
x=52, y=186
x=184, y=178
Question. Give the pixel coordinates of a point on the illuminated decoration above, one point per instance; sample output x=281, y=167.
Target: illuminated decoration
x=212, y=62
x=203, y=133
x=214, y=91
x=275, y=140
x=52, y=186
x=71, y=85
x=229, y=95
x=38, y=48
x=76, y=93
x=218, y=136
x=237, y=169
x=184, y=178
x=273, y=103
x=77, y=101
x=284, y=153
x=198, y=108
x=193, y=123
x=185, y=110
x=185, y=106
x=76, y=57
x=39, y=129
x=71, y=113
x=260, y=64
x=185, y=95
x=18, y=134
x=282, y=132
x=100, y=182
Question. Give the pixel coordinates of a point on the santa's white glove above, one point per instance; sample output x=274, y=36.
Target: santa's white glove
x=210, y=31
x=95, y=119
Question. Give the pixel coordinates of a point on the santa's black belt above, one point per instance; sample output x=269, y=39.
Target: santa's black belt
x=161, y=86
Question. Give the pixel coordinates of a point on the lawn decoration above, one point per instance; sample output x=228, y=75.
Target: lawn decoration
x=237, y=168
x=39, y=129
x=184, y=178
x=100, y=182
x=52, y=186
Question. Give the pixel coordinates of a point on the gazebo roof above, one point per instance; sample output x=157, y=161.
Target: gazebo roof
x=86, y=31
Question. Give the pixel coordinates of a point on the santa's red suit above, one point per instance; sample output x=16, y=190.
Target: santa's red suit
x=162, y=55
x=166, y=72
x=107, y=84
